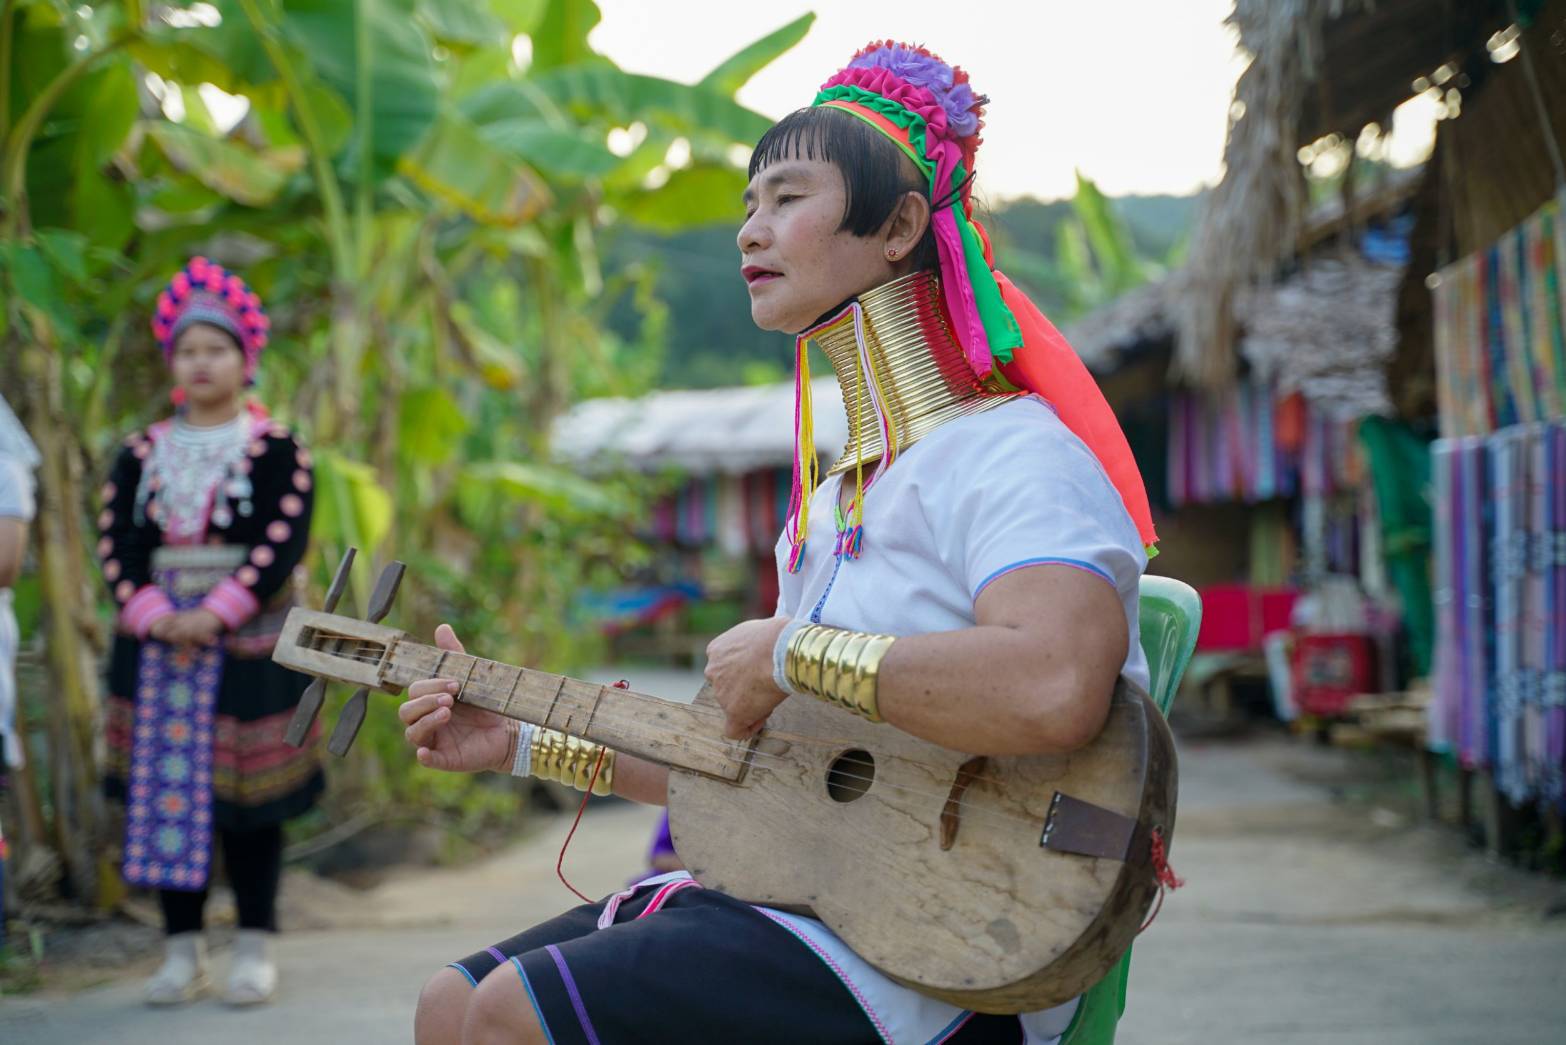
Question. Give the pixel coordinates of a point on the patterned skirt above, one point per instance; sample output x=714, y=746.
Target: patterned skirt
x=257, y=779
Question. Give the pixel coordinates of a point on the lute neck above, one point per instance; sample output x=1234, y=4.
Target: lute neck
x=682, y=736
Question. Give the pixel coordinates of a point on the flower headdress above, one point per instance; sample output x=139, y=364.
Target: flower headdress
x=203, y=292
x=930, y=111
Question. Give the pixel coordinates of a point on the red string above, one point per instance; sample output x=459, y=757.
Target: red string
x=560, y=860
x=1161, y=869
x=1163, y=874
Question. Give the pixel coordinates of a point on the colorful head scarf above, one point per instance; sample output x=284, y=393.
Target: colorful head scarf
x=203, y=292
x=928, y=109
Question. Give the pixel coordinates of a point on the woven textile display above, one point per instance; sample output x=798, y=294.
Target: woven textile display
x=1500, y=595
x=1252, y=444
x=737, y=513
x=1500, y=510
x=1500, y=345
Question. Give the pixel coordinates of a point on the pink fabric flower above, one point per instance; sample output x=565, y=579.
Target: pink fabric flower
x=917, y=66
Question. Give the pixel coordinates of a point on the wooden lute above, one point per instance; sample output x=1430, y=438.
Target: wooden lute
x=1000, y=884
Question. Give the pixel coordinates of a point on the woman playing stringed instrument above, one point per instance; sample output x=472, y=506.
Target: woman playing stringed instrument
x=966, y=573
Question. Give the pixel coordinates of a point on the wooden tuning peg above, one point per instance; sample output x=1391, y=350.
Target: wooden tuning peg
x=305, y=711
x=385, y=591
x=314, y=696
x=339, y=581
x=348, y=723
x=352, y=717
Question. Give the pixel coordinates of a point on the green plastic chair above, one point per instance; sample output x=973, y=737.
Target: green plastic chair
x=1171, y=615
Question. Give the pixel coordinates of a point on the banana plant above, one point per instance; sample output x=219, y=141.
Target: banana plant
x=67, y=102
x=423, y=214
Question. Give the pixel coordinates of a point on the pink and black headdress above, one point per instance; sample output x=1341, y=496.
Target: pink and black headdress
x=204, y=292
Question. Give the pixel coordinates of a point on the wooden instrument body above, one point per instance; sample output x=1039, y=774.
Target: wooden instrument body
x=998, y=922
x=949, y=889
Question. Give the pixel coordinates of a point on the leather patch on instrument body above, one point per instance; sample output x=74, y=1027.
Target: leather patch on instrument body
x=1085, y=829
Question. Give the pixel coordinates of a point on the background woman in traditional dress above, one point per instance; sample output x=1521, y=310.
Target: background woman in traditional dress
x=205, y=516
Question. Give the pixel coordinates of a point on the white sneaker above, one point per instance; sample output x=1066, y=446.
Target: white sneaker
x=252, y=979
x=182, y=976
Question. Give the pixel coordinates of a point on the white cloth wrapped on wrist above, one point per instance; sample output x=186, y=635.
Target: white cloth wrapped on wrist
x=780, y=652
x=522, y=761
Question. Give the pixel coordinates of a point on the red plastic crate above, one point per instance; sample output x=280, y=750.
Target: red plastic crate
x=1330, y=670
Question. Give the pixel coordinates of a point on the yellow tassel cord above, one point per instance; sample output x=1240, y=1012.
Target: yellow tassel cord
x=805, y=465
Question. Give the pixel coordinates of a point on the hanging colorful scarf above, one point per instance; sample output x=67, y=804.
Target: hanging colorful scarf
x=928, y=110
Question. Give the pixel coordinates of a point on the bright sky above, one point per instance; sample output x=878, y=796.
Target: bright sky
x=1140, y=111
x=1135, y=93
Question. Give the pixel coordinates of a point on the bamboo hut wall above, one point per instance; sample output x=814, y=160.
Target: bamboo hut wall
x=1491, y=169
x=1140, y=379
x=1326, y=331
x=1411, y=373
x=1495, y=158
x=1205, y=544
x=1370, y=57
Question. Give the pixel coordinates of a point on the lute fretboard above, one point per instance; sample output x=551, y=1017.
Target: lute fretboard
x=658, y=730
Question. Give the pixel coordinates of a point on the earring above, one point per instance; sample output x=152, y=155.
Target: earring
x=891, y=253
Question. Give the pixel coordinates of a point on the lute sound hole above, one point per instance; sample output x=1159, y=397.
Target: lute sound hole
x=850, y=775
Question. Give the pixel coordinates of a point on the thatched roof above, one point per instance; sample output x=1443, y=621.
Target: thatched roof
x=1145, y=316
x=1318, y=67
x=719, y=430
x=1327, y=331
x=1137, y=317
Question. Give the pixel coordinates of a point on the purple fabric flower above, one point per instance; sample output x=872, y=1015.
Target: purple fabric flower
x=923, y=69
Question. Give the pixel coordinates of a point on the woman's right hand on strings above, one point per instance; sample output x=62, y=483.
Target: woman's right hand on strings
x=457, y=737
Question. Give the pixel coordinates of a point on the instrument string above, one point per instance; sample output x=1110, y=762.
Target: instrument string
x=768, y=762
x=759, y=759
x=634, y=724
x=725, y=748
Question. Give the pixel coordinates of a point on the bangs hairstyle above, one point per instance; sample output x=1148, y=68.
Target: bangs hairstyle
x=875, y=171
x=228, y=335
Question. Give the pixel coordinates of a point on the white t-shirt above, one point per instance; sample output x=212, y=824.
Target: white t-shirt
x=16, y=502
x=972, y=501
x=16, y=489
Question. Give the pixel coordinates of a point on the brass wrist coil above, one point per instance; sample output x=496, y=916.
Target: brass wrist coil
x=838, y=666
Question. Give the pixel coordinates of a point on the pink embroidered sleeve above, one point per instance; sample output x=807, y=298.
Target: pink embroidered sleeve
x=231, y=602
x=147, y=605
